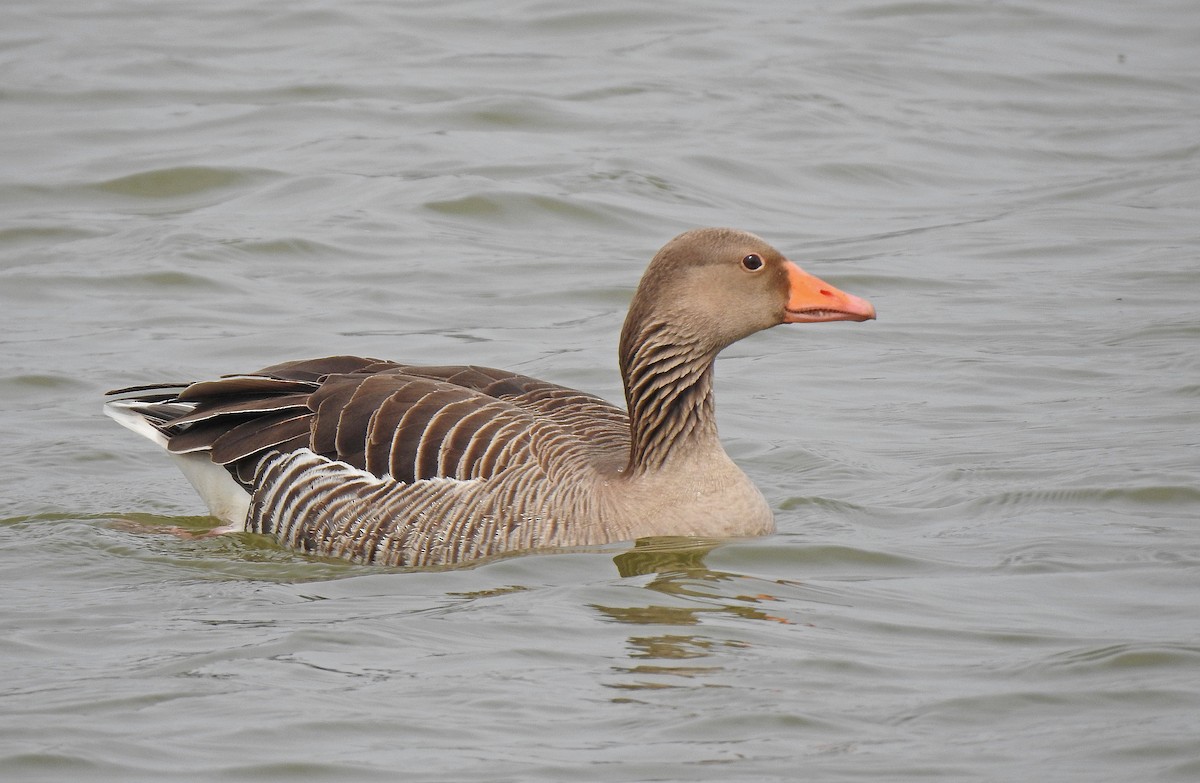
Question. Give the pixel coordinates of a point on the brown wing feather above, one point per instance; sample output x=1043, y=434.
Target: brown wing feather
x=316, y=369
x=406, y=421
x=470, y=440
x=603, y=426
x=199, y=436
x=383, y=424
x=259, y=434
x=415, y=443
x=211, y=409
x=327, y=402
x=354, y=421
x=241, y=386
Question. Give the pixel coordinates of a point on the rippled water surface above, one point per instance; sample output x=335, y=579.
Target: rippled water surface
x=988, y=557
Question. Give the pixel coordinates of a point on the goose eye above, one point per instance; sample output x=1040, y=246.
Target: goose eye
x=752, y=262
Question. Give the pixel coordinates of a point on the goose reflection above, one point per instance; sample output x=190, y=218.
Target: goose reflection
x=679, y=571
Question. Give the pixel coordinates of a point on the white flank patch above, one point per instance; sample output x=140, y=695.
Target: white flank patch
x=226, y=499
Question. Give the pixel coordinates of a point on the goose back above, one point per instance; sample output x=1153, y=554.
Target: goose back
x=388, y=419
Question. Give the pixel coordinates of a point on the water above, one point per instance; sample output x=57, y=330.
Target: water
x=988, y=557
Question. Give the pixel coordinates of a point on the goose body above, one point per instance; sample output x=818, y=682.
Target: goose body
x=395, y=464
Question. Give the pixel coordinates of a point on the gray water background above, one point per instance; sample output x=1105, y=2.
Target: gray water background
x=988, y=558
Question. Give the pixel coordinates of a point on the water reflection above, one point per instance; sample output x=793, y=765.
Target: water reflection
x=665, y=554
x=679, y=571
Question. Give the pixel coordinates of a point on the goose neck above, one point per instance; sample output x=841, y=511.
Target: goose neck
x=669, y=391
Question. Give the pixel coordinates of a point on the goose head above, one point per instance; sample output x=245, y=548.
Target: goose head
x=713, y=286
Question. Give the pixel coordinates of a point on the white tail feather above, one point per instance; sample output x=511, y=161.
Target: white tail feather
x=226, y=499
x=125, y=413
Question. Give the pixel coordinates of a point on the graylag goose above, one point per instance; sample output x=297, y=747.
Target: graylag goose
x=403, y=465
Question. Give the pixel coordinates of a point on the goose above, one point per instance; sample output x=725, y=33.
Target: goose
x=393, y=464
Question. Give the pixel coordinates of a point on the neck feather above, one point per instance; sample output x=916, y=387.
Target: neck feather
x=668, y=388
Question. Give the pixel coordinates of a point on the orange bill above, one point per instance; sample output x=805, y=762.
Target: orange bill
x=812, y=300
